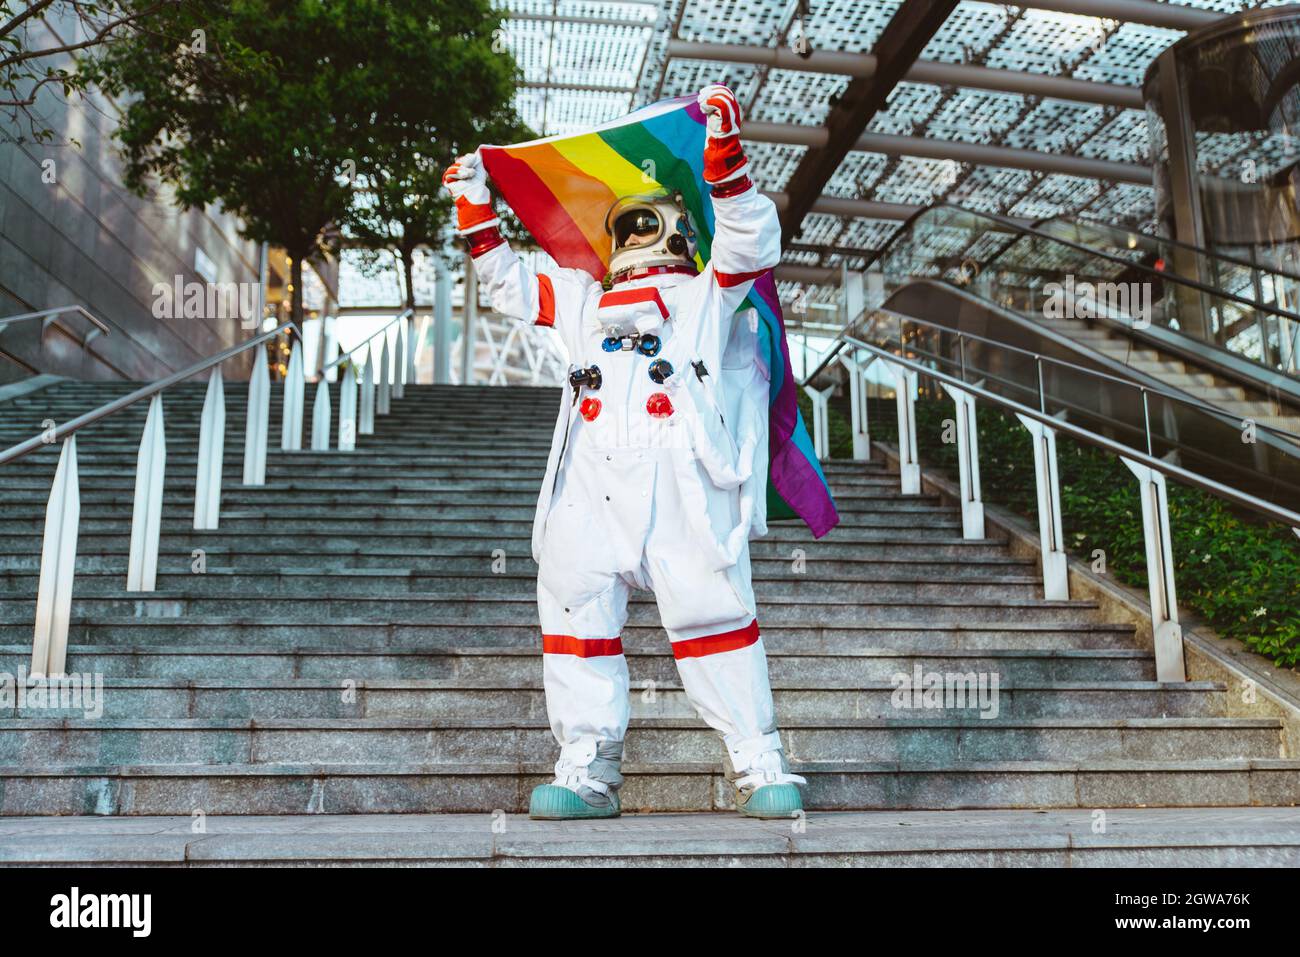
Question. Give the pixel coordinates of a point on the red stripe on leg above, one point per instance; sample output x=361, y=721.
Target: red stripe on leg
x=716, y=644
x=581, y=647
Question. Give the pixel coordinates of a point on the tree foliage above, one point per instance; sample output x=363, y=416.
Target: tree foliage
x=39, y=41
x=276, y=109
x=401, y=206
x=1235, y=571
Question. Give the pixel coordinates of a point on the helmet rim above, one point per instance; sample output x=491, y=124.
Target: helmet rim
x=670, y=211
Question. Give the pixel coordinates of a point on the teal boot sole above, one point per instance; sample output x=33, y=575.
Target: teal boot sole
x=550, y=802
x=771, y=801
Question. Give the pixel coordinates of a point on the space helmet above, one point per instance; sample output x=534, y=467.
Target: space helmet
x=649, y=229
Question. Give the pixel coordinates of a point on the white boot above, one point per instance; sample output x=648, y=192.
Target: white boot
x=764, y=786
x=587, y=779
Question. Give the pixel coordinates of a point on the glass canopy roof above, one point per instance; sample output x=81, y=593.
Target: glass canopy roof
x=587, y=61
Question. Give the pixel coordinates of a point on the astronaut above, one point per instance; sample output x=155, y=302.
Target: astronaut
x=657, y=473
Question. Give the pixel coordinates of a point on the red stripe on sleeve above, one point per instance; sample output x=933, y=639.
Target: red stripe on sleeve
x=732, y=187
x=726, y=279
x=545, y=301
x=715, y=644
x=484, y=240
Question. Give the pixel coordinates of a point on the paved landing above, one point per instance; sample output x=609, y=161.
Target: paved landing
x=1202, y=837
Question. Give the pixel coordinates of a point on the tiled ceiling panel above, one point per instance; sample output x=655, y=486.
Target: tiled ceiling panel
x=733, y=21
x=857, y=175
x=976, y=116
x=1126, y=55
x=968, y=32
x=1042, y=41
x=615, y=54
x=910, y=106
x=916, y=182
x=847, y=25
x=689, y=76
x=771, y=164
x=794, y=97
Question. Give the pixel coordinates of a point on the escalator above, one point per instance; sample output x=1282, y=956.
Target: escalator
x=1249, y=313
x=1202, y=375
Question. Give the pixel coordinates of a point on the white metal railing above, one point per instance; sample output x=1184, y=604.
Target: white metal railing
x=377, y=386
x=855, y=355
x=515, y=353
x=358, y=418
x=63, y=512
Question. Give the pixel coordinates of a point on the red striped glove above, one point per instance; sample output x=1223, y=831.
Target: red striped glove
x=724, y=158
x=466, y=180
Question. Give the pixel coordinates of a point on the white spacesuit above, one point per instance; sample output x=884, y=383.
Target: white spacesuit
x=657, y=472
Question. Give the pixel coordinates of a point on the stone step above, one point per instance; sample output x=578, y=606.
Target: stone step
x=180, y=487
x=521, y=396
x=1140, y=837
x=350, y=622
x=356, y=634
x=21, y=571
x=513, y=587
x=521, y=419
x=843, y=666
x=400, y=502
x=39, y=742
x=853, y=528
x=372, y=484
x=362, y=462
x=1254, y=409
x=292, y=544
x=520, y=587
x=829, y=611
x=484, y=788
x=427, y=698
x=392, y=437
x=387, y=514
x=182, y=448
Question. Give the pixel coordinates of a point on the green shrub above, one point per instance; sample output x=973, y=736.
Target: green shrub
x=1240, y=575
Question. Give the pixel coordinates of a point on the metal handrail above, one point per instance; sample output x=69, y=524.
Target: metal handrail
x=1064, y=363
x=1168, y=240
x=58, y=311
x=144, y=392
x=1244, y=499
x=405, y=314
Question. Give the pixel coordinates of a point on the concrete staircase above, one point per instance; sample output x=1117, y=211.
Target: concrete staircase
x=364, y=641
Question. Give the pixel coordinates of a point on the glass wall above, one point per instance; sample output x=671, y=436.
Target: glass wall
x=1223, y=107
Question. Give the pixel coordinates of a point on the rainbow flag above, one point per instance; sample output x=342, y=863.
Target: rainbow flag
x=561, y=187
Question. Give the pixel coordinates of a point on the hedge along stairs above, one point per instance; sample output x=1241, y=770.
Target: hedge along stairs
x=363, y=640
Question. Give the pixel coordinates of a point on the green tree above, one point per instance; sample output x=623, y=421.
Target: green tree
x=271, y=107
x=401, y=206
x=39, y=41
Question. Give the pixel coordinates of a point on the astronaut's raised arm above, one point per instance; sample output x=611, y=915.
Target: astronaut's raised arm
x=513, y=289
x=746, y=233
x=516, y=291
